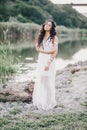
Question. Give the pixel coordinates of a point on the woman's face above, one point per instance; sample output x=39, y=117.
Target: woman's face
x=47, y=26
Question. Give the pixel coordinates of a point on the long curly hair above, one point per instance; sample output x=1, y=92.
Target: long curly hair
x=41, y=33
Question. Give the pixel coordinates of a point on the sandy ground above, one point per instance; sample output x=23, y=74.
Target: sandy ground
x=71, y=93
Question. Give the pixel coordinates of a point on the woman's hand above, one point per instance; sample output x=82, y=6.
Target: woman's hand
x=47, y=68
x=39, y=49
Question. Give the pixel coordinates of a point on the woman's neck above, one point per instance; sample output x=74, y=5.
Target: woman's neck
x=47, y=34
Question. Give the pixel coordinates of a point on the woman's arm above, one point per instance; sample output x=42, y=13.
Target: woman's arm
x=55, y=47
x=40, y=49
x=53, y=55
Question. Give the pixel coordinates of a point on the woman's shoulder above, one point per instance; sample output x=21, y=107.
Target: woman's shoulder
x=55, y=40
x=55, y=37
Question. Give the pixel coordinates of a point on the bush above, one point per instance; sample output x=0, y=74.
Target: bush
x=22, y=19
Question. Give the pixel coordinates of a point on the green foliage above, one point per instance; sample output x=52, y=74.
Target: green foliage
x=17, y=32
x=71, y=121
x=15, y=111
x=3, y=1
x=7, y=62
x=21, y=18
x=39, y=10
x=32, y=13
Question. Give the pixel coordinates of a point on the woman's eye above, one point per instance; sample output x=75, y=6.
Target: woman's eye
x=49, y=25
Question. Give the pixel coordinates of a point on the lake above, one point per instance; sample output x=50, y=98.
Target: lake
x=69, y=52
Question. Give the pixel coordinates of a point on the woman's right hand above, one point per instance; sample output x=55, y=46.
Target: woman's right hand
x=40, y=49
x=37, y=49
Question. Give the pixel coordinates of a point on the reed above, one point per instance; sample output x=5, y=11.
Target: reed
x=7, y=63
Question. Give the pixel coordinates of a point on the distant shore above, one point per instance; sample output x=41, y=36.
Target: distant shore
x=26, y=32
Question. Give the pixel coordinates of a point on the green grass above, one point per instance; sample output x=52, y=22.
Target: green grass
x=7, y=62
x=15, y=120
x=15, y=111
x=33, y=121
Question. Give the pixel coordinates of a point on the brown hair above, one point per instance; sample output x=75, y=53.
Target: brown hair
x=41, y=33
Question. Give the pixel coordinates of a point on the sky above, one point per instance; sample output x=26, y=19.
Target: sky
x=81, y=9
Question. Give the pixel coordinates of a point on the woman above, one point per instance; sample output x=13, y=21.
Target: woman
x=47, y=46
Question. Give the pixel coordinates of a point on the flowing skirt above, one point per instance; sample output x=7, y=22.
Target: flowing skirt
x=44, y=89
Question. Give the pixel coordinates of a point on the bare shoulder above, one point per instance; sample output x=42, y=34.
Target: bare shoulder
x=55, y=40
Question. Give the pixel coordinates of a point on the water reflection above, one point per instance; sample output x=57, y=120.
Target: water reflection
x=27, y=55
x=69, y=48
x=81, y=55
x=66, y=51
x=69, y=52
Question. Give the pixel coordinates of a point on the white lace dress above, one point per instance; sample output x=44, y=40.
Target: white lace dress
x=44, y=89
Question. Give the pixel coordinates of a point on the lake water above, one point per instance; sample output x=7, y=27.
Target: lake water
x=69, y=52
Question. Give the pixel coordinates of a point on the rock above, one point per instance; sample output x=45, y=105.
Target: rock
x=77, y=68
x=74, y=69
x=17, y=92
x=30, y=87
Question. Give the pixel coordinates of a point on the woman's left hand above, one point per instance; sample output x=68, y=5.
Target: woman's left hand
x=46, y=68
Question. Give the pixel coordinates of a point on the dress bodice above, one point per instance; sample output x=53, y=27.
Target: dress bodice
x=47, y=45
